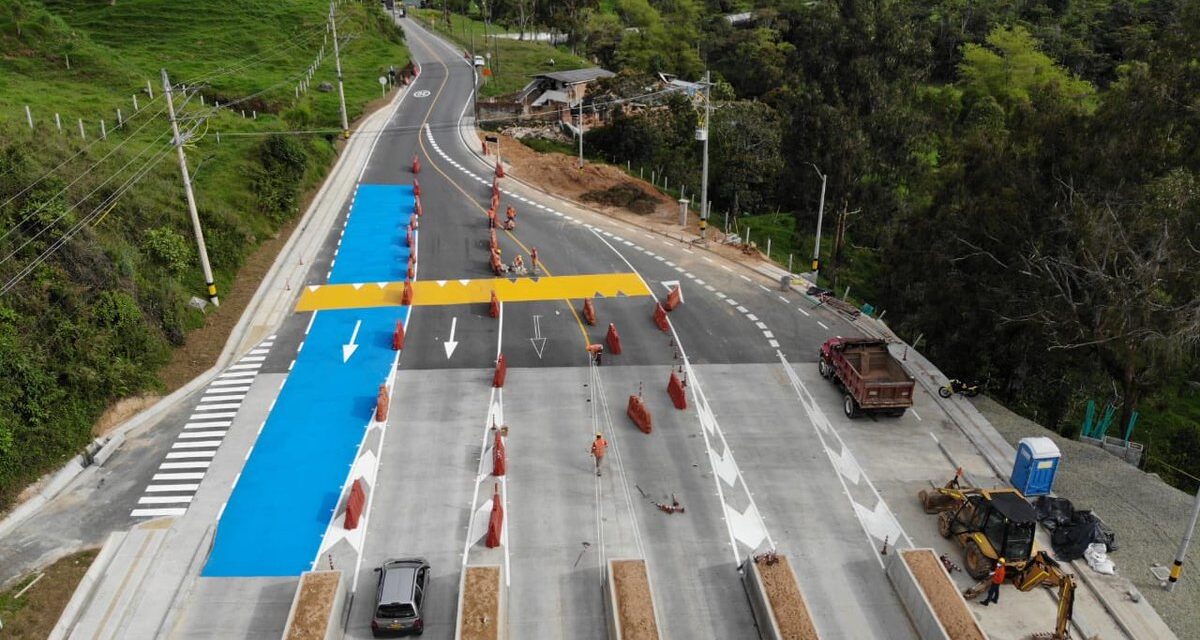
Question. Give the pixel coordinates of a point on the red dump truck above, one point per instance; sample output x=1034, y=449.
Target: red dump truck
x=871, y=380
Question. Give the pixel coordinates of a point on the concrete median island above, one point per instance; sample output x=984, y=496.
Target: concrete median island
x=481, y=609
x=630, y=603
x=937, y=609
x=318, y=607
x=775, y=596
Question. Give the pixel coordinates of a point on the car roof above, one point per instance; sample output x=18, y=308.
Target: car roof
x=398, y=581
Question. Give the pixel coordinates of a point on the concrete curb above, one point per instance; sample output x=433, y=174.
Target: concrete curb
x=87, y=586
x=102, y=449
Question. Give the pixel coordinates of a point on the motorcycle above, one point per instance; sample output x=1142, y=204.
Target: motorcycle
x=958, y=386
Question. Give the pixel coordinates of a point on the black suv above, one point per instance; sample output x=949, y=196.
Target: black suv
x=400, y=597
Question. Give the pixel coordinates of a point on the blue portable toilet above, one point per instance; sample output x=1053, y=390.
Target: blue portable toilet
x=1036, y=465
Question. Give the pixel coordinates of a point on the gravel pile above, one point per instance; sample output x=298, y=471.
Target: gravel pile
x=1148, y=515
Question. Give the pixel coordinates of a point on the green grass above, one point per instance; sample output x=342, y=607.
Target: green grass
x=542, y=145
x=513, y=62
x=96, y=321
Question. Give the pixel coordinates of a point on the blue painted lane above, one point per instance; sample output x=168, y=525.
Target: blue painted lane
x=373, y=248
x=278, y=512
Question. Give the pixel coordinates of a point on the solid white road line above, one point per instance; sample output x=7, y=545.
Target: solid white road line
x=184, y=455
x=161, y=477
x=156, y=513
x=165, y=500
x=199, y=464
x=203, y=434
x=171, y=488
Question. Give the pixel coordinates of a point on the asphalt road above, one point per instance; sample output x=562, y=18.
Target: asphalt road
x=562, y=520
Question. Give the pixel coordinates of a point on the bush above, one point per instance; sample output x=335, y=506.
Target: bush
x=168, y=249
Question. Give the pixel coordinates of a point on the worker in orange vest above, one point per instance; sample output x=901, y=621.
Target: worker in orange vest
x=993, y=592
x=599, y=445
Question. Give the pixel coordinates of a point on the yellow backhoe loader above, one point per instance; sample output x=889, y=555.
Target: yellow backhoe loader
x=1000, y=523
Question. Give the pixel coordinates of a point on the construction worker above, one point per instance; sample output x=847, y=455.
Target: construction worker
x=599, y=445
x=518, y=265
x=993, y=592
x=596, y=350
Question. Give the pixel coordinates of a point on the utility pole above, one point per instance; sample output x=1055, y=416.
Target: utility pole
x=191, y=197
x=581, y=128
x=703, y=134
x=337, y=60
x=816, y=259
x=1177, y=567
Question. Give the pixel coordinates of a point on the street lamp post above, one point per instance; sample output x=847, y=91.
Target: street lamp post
x=816, y=259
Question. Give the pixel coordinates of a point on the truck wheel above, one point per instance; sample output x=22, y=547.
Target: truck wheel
x=895, y=413
x=823, y=369
x=850, y=406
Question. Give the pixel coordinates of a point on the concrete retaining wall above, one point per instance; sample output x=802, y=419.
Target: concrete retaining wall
x=337, y=609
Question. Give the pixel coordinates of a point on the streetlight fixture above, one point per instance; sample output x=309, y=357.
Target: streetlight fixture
x=816, y=259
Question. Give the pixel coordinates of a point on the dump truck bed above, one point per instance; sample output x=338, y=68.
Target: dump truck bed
x=867, y=371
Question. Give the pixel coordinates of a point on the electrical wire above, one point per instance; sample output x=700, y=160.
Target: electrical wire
x=79, y=177
x=98, y=212
x=62, y=215
x=83, y=150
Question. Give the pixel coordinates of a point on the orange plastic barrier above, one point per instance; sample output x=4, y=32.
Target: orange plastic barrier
x=354, y=504
x=495, y=202
x=675, y=390
x=381, y=404
x=398, y=336
x=673, y=298
x=496, y=521
x=499, y=170
x=416, y=165
x=640, y=415
x=417, y=207
x=485, y=150
x=499, y=456
x=589, y=312
x=501, y=372
x=408, y=237
x=412, y=267
x=613, y=339
x=660, y=317
x=497, y=266
x=416, y=187
x=407, y=296
x=492, y=244
x=494, y=308
x=495, y=188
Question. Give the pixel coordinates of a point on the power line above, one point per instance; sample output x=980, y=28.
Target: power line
x=79, y=177
x=85, y=148
x=98, y=211
x=62, y=215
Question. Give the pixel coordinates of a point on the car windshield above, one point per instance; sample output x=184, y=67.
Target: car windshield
x=396, y=610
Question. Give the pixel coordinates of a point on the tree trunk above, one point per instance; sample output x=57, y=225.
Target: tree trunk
x=1130, y=391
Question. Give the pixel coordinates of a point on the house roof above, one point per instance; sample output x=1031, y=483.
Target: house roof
x=550, y=96
x=577, y=76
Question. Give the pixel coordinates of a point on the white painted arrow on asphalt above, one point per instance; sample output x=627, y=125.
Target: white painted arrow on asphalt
x=349, y=348
x=451, y=345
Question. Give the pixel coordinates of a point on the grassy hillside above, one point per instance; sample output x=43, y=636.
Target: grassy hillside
x=95, y=240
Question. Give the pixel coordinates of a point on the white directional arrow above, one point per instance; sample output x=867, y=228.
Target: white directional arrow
x=539, y=343
x=349, y=348
x=451, y=344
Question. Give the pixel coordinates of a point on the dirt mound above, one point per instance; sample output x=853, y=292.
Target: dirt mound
x=629, y=196
x=601, y=184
